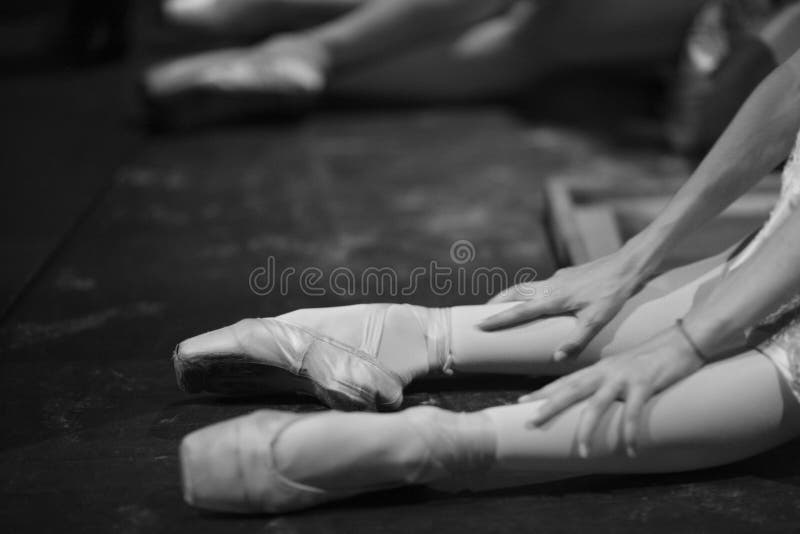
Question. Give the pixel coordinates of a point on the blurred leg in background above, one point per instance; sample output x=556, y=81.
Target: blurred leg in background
x=504, y=55
x=418, y=50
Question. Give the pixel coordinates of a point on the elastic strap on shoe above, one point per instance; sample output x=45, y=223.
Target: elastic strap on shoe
x=435, y=323
x=373, y=329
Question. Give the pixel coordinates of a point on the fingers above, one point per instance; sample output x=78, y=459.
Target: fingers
x=506, y=295
x=545, y=391
x=521, y=313
x=635, y=400
x=592, y=413
x=514, y=293
x=581, y=335
x=560, y=397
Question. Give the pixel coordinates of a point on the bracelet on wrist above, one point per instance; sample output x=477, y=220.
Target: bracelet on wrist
x=700, y=354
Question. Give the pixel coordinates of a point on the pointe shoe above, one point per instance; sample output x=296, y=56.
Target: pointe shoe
x=271, y=355
x=280, y=78
x=231, y=466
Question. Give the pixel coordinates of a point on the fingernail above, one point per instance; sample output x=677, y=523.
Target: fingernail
x=583, y=450
x=559, y=355
x=631, y=451
x=524, y=398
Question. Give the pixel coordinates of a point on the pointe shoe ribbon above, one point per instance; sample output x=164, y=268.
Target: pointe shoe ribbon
x=238, y=358
x=436, y=326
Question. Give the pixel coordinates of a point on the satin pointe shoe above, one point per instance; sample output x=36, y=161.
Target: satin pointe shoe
x=277, y=79
x=234, y=466
x=276, y=355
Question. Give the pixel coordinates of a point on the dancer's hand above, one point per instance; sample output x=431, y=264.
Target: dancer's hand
x=633, y=376
x=594, y=292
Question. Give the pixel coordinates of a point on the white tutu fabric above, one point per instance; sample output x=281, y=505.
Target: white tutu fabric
x=780, y=331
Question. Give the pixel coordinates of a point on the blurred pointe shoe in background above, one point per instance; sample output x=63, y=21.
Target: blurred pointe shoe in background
x=281, y=78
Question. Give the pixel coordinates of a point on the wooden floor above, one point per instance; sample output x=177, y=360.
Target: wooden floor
x=117, y=245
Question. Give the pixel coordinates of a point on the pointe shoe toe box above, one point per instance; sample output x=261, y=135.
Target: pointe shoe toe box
x=251, y=356
x=229, y=467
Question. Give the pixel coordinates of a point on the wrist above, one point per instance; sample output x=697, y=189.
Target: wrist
x=699, y=354
x=707, y=333
x=643, y=253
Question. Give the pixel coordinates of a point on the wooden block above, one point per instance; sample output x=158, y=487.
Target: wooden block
x=590, y=219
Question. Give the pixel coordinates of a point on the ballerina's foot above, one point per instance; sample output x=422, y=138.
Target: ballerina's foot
x=351, y=357
x=275, y=462
x=281, y=78
x=268, y=356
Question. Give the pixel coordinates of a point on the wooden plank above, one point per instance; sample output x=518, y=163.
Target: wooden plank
x=591, y=218
x=567, y=236
x=599, y=232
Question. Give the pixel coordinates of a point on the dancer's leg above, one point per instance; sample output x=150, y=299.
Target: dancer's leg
x=470, y=49
x=528, y=349
x=503, y=55
x=491, y=59
x=725, y=412
x=285, y=74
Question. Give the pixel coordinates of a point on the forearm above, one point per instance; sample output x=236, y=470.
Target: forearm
x=758, y=139
x=385, y=26
x=750, y=292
